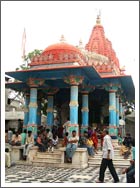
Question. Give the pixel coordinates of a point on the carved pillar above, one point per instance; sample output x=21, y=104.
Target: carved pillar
x=85, y=89
x=112, y=88
x=32, y=124
x=39, y=112
x=74, y=81
x=50, y=106
x=26, y=111
x=117, y=113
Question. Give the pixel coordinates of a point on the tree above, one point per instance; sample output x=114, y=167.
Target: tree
x=28, y=59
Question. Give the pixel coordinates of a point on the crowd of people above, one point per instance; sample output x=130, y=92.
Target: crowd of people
x=47, y=140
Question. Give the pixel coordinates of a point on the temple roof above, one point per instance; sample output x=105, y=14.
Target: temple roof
x=59, y=53
x=99, y=44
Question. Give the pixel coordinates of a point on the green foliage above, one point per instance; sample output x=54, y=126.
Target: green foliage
x=32, y=54
x=28, y=58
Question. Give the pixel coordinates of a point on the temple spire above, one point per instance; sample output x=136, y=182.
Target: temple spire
x=62, y=39
x=98, y=19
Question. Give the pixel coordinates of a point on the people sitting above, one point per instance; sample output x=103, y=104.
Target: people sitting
x=89, y=144
x=49, y=134
x=7, y=158
x=83, y=139
x=28, y=144
x=55, y=141
x=40, y=144
x=71, y=146
x=130, y=172
x=23, y=137
x=120, y=140
x=126, y=146
x=44, y=137
x=16, y=139
x=95, y=140
x=65, y=140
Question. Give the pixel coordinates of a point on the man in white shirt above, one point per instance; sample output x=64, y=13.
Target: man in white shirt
x=71, y=146
x=108, y=155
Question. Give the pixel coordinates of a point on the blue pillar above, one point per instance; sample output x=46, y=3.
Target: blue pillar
x=39, y=113
x=85, y=113
x=117, y=112
x=85, y=110
x=112, y=88
x=26, y=112
x=74, y=108
x=74, y=81
x=112, y=114
x=32, y=124
x=120, y=109
x=50, y=112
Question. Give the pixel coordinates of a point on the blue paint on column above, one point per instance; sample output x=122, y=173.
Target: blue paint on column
x=74, y=105
x=85, y=113
x=50, y=111
x=26, y=113
x=120, y=109
x=73, y=115
x=39, y=113
x=117, y=111
x=33, y=111
x=74, y=108
x=112, y=112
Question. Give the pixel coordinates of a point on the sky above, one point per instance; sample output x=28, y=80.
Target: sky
x=46, y=21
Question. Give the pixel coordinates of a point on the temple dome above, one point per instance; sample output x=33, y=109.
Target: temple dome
x=60, y=53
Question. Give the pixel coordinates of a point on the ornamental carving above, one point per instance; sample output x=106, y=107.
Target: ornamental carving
x=73, y=103
x=84, y=109
x=74, y=80
x=85, y=89
x=51, y=90
x=33, y=105
x=49, y=109
x=112, y=108
x=112, y=87
x=35, y=82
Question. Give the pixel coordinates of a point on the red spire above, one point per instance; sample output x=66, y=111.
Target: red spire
x=99, y=44
x=97, y=39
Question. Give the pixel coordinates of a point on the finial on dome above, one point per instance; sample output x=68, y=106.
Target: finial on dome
x=80, y=43
x=98, y=19
x=62, y=39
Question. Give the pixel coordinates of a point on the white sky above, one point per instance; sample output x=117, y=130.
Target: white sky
x=46, y=21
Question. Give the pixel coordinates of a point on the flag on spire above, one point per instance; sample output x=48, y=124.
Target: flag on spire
x=23, y=43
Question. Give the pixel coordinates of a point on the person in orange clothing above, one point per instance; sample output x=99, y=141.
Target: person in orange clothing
x=95, y=141
x=65, y=140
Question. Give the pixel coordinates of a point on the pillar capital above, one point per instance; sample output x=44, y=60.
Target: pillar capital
x=112, y=87
x=74, y=80
x=51, y=90
x=35, y=82
x=85, y=89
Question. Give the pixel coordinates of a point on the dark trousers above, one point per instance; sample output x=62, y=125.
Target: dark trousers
x=130, y=174
x=107, y=163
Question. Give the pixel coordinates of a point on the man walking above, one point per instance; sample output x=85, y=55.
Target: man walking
x=108, y=155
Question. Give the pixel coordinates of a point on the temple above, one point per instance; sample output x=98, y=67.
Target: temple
x=85, y=84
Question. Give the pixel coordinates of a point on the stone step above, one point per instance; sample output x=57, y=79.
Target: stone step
x=45, y=160
x=47, y=157
x=48, y=154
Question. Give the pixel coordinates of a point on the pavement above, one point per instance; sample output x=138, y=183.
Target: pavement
x=23, y=173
